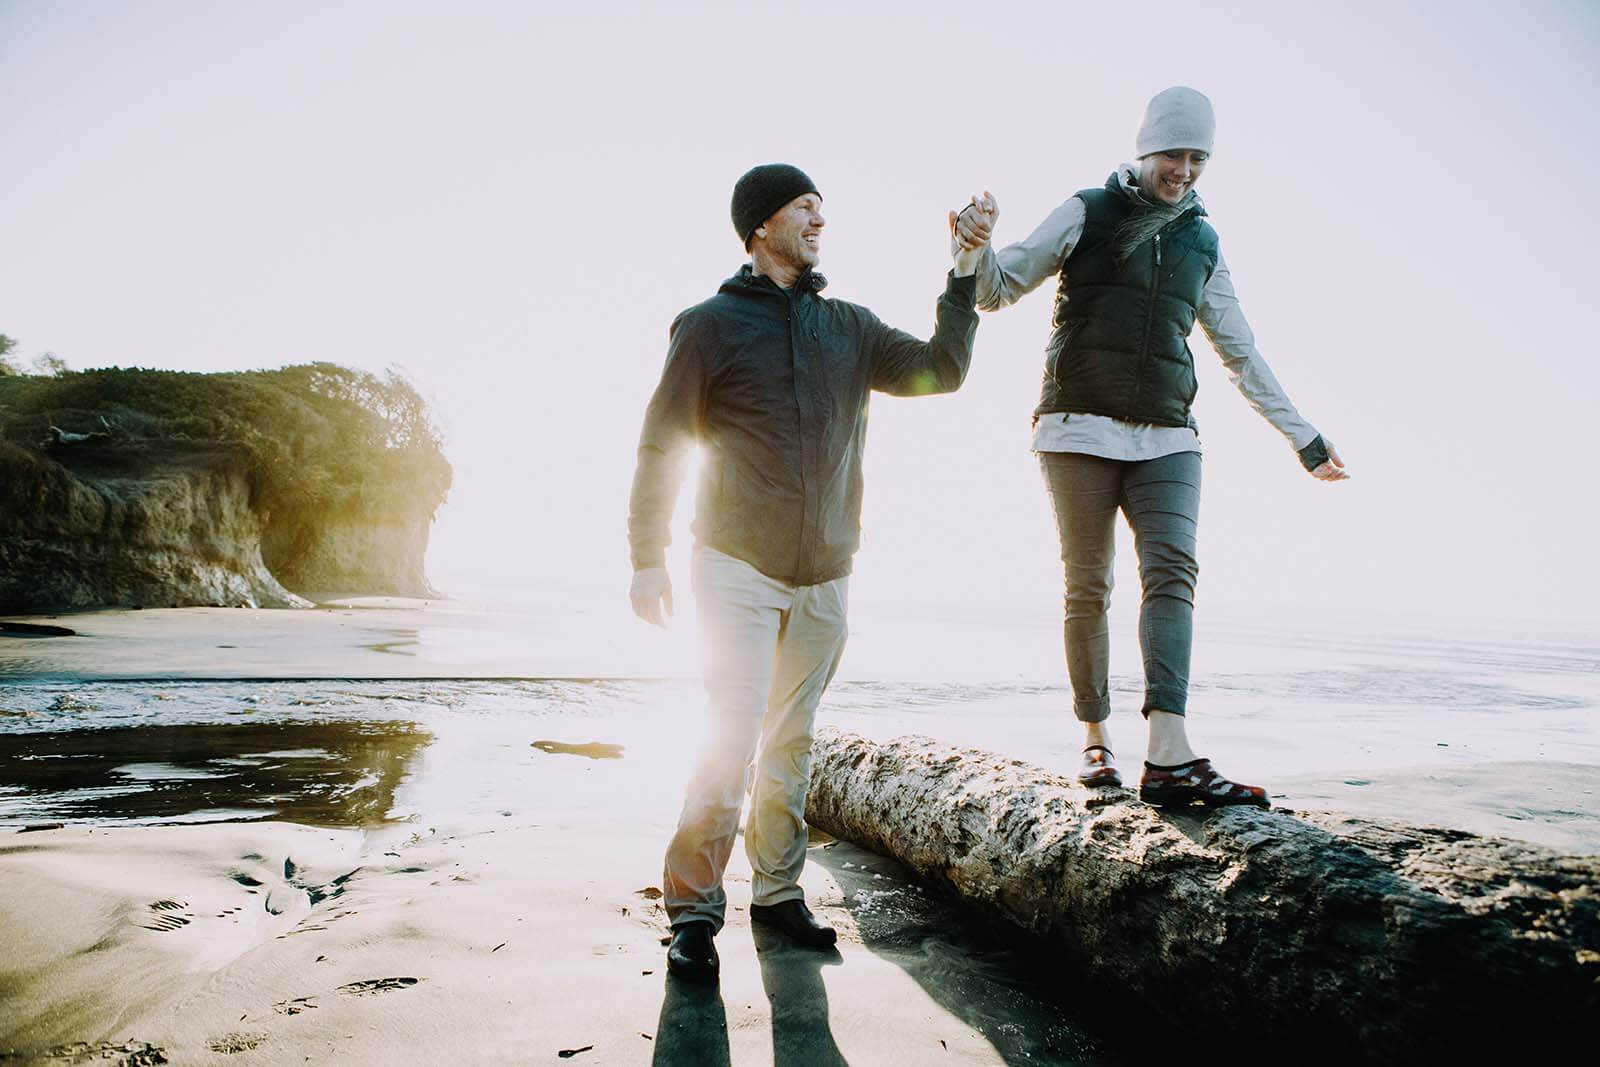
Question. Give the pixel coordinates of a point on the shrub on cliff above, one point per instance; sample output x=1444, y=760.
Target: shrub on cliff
x=314, y=439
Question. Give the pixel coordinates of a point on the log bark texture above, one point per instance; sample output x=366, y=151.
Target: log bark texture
x=1330, y=935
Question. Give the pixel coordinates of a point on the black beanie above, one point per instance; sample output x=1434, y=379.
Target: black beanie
x=762, y=191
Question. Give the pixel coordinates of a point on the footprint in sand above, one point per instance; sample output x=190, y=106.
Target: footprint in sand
x=167, y=915
x=230, y=1043
x=377, y=985
x=106, y=1054
x=295, y=1006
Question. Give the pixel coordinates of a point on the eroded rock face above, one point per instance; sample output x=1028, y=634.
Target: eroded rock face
x=169, y=527
x=346, y=555
x=1317, y=932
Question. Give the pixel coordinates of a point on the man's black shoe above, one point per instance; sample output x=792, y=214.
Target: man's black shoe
x=692, y=954
x=795, y=919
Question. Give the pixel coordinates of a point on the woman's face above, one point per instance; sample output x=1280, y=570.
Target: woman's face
x=1168, y=176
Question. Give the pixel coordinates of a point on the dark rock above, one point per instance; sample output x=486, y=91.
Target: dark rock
x=167, y=525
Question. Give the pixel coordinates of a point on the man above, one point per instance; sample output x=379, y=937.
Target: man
x=772, y=380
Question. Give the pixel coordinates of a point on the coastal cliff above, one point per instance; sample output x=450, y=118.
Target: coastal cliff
x=1310, y=934
x=134, y=488
x=171, y=527
x=372, y=555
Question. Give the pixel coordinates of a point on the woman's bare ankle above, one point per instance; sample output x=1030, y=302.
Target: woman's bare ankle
x=1169, y=741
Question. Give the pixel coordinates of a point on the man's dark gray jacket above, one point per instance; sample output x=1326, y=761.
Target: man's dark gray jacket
x=773, y=384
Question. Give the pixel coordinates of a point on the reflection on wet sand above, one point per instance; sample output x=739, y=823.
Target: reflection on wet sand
x=340, y=774
x=404, y=643
x=593, y=749
x=33, y=629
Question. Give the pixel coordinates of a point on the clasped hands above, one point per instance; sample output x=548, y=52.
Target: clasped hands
x=970, y=230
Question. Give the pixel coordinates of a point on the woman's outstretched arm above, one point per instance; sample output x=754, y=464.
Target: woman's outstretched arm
x=1230, y=334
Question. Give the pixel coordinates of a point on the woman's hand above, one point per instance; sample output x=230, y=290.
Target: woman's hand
x=1332, y=469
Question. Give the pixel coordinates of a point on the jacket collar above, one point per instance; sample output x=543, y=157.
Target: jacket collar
x=748, y=281
x=1124, y=181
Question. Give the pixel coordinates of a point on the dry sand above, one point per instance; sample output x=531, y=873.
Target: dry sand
x=277, y=943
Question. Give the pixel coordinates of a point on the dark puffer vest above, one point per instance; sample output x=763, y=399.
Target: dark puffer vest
x=1119, y=346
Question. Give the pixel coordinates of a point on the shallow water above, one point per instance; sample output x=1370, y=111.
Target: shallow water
x=1494, y=733
x=1498, y=738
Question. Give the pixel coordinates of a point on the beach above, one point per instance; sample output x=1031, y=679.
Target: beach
x=358, y=835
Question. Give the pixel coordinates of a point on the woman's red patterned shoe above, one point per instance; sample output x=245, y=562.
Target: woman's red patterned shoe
x=1195, y=782
x=1097, y=769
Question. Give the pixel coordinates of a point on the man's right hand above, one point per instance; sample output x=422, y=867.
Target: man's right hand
x=970, y=232
x=974, y=224
x=651, y=592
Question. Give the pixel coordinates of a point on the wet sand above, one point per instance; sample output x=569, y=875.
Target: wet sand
x=462, y=932
x=466, y=871
x=363, y=637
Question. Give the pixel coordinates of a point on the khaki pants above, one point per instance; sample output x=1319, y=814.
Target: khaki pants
x=770, y=650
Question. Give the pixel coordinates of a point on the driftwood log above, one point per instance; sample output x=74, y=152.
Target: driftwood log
x=1318, y=933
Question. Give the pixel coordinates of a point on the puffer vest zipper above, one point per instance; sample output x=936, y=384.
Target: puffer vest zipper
x=1119, y=346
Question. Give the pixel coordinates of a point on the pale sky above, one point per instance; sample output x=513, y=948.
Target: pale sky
x=512, y=200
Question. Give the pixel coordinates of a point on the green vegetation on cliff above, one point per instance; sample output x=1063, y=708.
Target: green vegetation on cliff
x=314, y=439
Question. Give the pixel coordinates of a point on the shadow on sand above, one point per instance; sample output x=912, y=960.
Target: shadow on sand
x=1027, y=1003
x=792, y=976
x=693, y=1028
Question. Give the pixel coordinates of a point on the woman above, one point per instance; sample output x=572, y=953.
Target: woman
x=1138, y=264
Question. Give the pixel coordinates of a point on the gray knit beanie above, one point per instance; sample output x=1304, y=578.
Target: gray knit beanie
x=1179, y=117
x=762, y=191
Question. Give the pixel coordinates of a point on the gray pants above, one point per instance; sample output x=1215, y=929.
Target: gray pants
x=770, y=651
x=1161, y=498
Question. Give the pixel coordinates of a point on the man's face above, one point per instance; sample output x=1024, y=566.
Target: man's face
x=794, y=232
x=1168, y=176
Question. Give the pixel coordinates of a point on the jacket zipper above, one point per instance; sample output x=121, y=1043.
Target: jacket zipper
x=792, y=321
x=1150, y=308
x=1149, y=320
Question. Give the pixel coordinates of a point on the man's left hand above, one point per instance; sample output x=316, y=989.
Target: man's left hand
x=651, y=593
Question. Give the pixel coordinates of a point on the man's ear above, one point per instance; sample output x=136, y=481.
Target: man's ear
x=761, y=231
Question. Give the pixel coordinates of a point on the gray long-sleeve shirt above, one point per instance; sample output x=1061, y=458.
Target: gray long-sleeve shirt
x=1006, y=276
